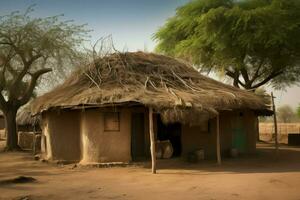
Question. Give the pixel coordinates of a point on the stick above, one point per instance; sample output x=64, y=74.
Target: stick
x=152, y=140
x=275, y=122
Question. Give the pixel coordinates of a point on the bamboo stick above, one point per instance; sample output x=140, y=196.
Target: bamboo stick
x=275, y=123
x=152, y=141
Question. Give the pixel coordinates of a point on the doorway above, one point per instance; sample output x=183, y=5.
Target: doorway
x=239, y=140
x=170, y=132
x=137, y=136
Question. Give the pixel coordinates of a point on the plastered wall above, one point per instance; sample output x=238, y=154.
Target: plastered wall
x=61, y=138
x=99, y=145
x=193, y=138
x=76, y=135
x=251, y=124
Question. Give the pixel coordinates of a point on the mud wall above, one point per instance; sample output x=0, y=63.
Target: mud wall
x=226, y=125
x=251, y=127
x=80, y=135
x=61, y=135
x=2, y=122
x=99, y=145
x=193, y=138
x=266, y=131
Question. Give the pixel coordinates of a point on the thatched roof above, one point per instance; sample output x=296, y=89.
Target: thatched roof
x=173, y=88
x=24, y=116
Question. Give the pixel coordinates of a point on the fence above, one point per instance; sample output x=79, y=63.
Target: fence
x=266, y=131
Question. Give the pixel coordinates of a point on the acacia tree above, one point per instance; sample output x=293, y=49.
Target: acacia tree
x=254, y=42
x=29, y=48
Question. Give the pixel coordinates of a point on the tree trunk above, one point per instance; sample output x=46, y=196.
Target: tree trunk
x=11, y=129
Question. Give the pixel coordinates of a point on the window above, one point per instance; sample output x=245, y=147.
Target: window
x=111, y=121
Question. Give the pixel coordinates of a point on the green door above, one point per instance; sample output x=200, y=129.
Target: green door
x=239, y=136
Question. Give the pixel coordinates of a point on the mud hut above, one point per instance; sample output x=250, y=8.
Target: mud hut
x=29, y=131
x=105, y=111
x=26, y=122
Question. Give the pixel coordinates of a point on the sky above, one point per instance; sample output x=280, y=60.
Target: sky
x=131, y=23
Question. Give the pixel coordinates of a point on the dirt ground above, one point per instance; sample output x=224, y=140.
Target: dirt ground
x=260, y=176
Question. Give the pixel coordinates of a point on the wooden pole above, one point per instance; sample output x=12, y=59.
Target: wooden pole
x=275, y=122
x=152, y=141
x=218, y=141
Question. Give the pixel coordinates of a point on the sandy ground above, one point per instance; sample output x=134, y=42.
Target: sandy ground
x=261, y=176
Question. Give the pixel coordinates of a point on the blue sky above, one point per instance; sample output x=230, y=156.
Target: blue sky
x=130, y=22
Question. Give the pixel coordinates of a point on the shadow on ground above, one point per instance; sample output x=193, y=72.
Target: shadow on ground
x=266, y=160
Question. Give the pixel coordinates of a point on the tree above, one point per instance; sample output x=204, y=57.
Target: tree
x=285, y=113
x=254, y=42
x=29, y=48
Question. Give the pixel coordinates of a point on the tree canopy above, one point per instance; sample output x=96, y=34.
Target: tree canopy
x=286, y=114
x=29, y=48
x=254, y=42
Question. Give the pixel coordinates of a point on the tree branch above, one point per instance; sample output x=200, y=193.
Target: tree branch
x=235, y=76
x=6, y=66
x=241, y=83
x=229, y=73
x=20, y=53
x=270, y=77
x=245, y=75
x=21, y=75
x=256, y=74
x=3, y=103
x=29, y=91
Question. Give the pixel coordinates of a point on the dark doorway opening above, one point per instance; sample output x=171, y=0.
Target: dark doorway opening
x=170, y=132
x=137, y=136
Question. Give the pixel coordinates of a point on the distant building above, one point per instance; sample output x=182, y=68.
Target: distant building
x=28, y=129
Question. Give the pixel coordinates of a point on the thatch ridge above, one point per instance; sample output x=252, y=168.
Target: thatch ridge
x=173, y=88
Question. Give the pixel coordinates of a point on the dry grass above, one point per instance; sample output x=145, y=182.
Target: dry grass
x=24, y=116
x=176, y=90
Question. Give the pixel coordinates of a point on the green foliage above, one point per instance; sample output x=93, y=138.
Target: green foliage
x=253, y=41
x=31, y=47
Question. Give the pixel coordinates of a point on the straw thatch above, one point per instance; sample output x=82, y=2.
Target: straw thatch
x=176, y=90
x=25, y=118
